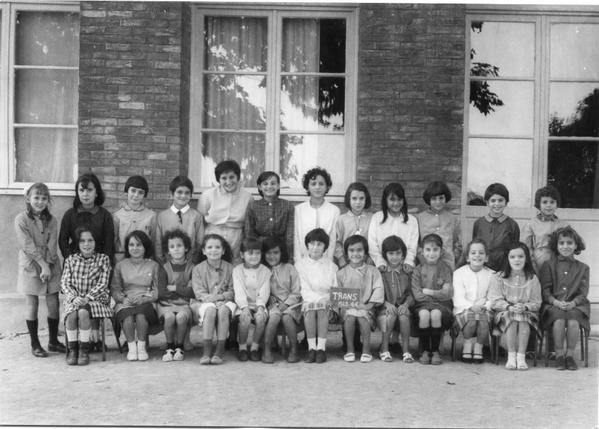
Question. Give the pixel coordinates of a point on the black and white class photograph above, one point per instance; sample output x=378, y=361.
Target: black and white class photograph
x=299, y=214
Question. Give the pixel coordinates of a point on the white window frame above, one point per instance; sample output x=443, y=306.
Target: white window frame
x=543, y=17
x=275, y=15
x=9, y=9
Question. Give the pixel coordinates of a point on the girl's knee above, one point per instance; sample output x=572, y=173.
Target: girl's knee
x=573, y=324
x=245, y=319
x=182, y=318
x=210, y=312
x=424, y=318
x=83, y=314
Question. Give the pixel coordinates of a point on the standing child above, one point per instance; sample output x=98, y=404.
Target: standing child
x=284, y=304
x=438, y=219
x=432, y=289
x=134, y=215
x=251, y=283
x=39, y=268
x=181, y=216
x=270, y=217
x=398, y=299
x=537, y=231
x=224, y=206
x=85, y=287
x=355, y=221
x=367, y=279
x=515, y=296
x=134, y=289
x=393, y=219
x=175, y=292
x=496, y=229
x=212, y=282
x=87, y=210
x=471, y=306
x=315, y=213
x=565, y=284
x=318, y=274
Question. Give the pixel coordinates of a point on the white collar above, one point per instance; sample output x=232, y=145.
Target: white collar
x=183, y=210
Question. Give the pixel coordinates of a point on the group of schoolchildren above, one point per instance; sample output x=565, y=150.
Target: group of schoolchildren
x=238, y=261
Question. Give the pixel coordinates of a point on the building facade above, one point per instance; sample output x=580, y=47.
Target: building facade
x=373, y=92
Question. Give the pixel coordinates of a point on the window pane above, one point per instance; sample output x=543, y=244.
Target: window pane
x=575, y=51
x=235, y=43
x=507, y=161
x=574, y=109
x=310, y=103
x=513, y=117
x=46, y=155
x=299, y=153
x=573, y=168
x=46, y=97
x=246, y=149
x=314, y=45
x=235, y=102
x=502, y=49
x=47, y=39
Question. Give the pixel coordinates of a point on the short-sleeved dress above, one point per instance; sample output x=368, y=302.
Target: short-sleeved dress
x=87, y=277
x=565, y=279
x=37, y=240
x=504, y=292
x=437, y=277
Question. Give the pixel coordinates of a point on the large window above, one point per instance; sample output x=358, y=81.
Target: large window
x=275, y=90
x=533, y=113
x=39, y=63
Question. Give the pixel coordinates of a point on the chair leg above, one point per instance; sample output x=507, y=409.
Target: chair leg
x=116, y=328
x=103, y=326
x=453, y=338
x=582, y=343
x=585, y=341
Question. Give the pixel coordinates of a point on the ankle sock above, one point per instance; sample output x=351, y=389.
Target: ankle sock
x=84, y=335
x=243, y=347
x=321, y=344
x=72, y=335
x=255, y=346
x=478, y=349
x=32, y=328
x=312, y=343
x=52, y=330
x=467, y=346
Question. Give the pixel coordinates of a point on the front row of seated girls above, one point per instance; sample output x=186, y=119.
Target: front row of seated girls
x=268, y=292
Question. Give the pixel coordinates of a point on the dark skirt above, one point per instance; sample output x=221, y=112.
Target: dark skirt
x=446, y=313
x=551, y=314
x=146, y=309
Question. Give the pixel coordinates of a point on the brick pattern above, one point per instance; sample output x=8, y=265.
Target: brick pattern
x=410, y=98
x=130, y=95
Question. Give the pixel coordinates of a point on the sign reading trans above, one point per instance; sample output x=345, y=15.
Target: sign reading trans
x=345, y=297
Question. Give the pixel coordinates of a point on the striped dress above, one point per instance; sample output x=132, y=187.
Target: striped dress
x=87, y=278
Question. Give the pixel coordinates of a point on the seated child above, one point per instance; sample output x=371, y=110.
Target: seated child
x=496, y=229
x=432, y=289
x=134, y=289
x=84, y=284
x=367, y=279
x=180, y=215
x=284, y=304
x=251, y=283
x=398, y=299
x=212, y=282
x=440, y=220
x=471, y=306
x=318, y=274
x=174, y=293
x=515, y=296
x=565, y=286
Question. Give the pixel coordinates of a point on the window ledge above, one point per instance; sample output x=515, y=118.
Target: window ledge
x=54, y=191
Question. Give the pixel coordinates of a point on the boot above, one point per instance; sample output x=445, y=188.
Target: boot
x=72, y=353
x=83, y=354
x=53, y=344
x=36, y=349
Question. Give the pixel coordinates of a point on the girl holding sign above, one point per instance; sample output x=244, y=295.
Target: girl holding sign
x=367, y=280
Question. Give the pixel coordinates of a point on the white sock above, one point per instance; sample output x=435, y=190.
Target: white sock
x=71, y=335
x=84, y=335
x=243, y=346
x=141, y=345
x=312, y=343
x=132, y=345
x=322, y=342
x=467, y=346
x=478, y=349
x=255, y=346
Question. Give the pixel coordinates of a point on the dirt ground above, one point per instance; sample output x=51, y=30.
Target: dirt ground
x=37, y=391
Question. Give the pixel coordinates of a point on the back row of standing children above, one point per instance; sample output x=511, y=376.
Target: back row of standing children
x=227, y=213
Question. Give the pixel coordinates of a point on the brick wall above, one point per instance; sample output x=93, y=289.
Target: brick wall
x=130, y=95
x=411, y=92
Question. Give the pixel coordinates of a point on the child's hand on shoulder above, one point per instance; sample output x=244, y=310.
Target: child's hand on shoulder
x=408, y=268
x=171, y=288
x=382, y=268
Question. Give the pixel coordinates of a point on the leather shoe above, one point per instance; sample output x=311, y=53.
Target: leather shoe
x=311, y=358
x=38, y=351
x=571, y=363
x=321, y=356
x=58, y=347
x=243, y=355
x=560, y=363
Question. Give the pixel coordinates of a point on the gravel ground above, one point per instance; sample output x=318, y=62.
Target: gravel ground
x=116, y=392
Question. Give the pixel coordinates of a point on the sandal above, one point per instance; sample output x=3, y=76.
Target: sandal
x=477, y=358
x=407, y=357
x=365, y=358
x=386, y=357
x=467, y=357
x=349, y=357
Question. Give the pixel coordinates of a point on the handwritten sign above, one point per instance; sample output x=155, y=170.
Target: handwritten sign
x=345, y=297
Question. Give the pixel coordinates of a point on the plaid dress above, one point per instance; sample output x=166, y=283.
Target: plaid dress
x=87, y=278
